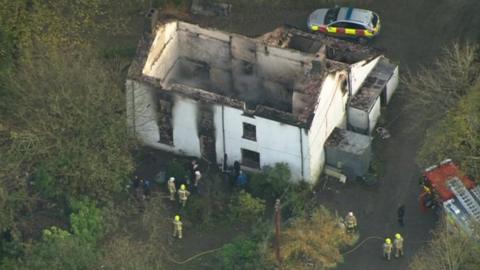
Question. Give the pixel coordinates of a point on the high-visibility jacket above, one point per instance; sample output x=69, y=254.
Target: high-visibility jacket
x=387, y=248
x=183, y=194
x=177, y=225
x=398, y=243
x=171, y=186
x=351, y=221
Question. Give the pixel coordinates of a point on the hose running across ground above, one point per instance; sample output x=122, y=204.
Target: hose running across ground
x=217, y=249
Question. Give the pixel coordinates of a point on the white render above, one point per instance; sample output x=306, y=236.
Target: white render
x=301, y=146
x=392, y=86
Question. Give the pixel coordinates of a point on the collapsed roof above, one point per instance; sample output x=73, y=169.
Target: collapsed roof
x=277, y=76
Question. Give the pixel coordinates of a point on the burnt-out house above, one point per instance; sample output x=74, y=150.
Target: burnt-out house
x=276, y=98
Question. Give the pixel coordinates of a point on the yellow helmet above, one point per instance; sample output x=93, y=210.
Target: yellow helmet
x=177, y=218
x=388, y=241
x=182, y=187
x=314, y=27
x=398, y=236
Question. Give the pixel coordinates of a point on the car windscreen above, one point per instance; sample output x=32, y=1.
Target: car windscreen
x=374, y=20
x=331, y=15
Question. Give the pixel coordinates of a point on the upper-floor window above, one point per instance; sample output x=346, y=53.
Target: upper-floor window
x=249, y=132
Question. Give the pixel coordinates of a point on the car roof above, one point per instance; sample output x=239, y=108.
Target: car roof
x=357, y=15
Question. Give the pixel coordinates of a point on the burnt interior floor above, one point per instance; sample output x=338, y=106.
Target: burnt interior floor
x=246, y=87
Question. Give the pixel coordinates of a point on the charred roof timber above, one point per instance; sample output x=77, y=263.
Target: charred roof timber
x=277, y=76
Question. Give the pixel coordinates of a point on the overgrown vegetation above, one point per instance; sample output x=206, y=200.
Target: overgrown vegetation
x=313, y=242
x=449, y=249
x=435, y=89
x=63, y=138
x=457, y=136
x=274, y=183
x=244, y=208
x=244, y=254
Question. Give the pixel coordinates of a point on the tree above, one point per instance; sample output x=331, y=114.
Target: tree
x=434, y=89
x=313, y=242
x=457, y=136
x=450, y=249
x=67, y=126
x=59, y=250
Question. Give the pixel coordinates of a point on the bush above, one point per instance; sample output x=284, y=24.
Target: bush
x=244, y=208
x=274, y=182
x=241, y=254
x=271, y=183
x=59, y=250
x=198, y=209
x=297, y=200
x=313, y=242
x=45, y=184
x=86, y=221
x=176, y=169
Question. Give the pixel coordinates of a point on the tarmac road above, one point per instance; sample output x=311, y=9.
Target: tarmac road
x=376, y=207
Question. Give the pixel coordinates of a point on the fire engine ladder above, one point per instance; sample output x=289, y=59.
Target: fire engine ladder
x=476, y=192
x=465, y=198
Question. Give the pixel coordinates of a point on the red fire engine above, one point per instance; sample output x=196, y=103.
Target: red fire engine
x=445, y=187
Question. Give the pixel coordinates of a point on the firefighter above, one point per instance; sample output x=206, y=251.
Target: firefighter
x=387, y=249
x=198, y=176
x=177, y=227
x=398, y=244
x=183, y=194
x=351, y=222
x=171, y=188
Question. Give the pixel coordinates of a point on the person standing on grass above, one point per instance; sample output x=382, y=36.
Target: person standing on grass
x=172, y=188
x=146, y=188
x=198, y=176
x=193, y=168
x=351, y=222
x=183, y=194
x=177, y=227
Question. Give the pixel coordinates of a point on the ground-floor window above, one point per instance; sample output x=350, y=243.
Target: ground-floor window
x=250, y=159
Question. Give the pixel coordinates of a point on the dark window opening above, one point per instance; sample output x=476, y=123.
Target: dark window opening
x=344, y=86
x=331, y=15
x=165, y=120
x=249, y=132
x=250, y=159
x=247, y=68
x=374, y=20
x=348, y=25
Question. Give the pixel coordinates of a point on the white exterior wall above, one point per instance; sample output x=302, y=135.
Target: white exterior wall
x=185, y=132
x=358, y=72
x=392, y=85
x=184, y=111
x=374, y=114
x=330, y=113
x=276, y=142
x=358, y=119
x=141, y=113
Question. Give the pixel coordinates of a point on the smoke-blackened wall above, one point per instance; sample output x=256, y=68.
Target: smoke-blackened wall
x=226, y=64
